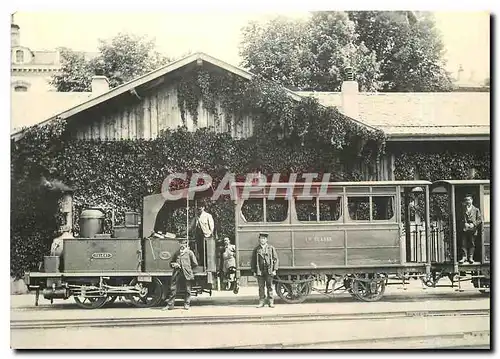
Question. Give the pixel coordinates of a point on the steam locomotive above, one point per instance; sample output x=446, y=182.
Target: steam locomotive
x=322, y=234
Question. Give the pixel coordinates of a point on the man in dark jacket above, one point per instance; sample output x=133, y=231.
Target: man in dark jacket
x=469, y=228
x=264, y=266
x=183, y=262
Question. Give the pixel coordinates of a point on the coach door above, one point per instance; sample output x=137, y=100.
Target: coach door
x=485, y=210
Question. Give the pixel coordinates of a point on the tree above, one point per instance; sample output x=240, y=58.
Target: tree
x=121, y=59
x=388, y=51
x=308, y=55
x=408, y=47
x=75, y=73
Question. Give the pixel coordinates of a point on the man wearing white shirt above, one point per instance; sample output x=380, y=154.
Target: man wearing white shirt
x=206, y=226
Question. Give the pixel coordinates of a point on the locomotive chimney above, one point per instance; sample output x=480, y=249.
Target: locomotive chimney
x=349, y=95
x=66, y=211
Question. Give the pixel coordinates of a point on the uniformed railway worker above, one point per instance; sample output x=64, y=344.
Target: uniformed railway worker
x=183, y=262
x=470, y=223
x=264, y=265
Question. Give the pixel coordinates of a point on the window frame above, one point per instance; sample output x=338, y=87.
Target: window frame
x=370, y=196
x=264, y=207
x=19, y=56
x=317, y=199
x=19, y=87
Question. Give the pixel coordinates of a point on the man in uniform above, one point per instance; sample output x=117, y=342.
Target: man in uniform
x=469, y=226
x=183, y=262
x=264, y=265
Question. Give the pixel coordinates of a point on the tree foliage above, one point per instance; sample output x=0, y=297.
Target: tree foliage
x=121, y=59
x=308, y=55
x=408, y=47
x=276, y=115
x=389, y=51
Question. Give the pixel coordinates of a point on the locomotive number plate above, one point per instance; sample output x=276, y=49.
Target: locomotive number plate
x=144, y=278
x=165, y=255
x=99, y=255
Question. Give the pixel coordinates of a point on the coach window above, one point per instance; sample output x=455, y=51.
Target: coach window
x=359, y=208
x=306, y=210
x=277, y=210
x=252, y=210
x=330, y=209
x=382, y=208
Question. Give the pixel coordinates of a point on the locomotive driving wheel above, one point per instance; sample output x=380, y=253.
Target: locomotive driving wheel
x=149, y=293
x=369, y=287
x=111, y=299
x=294, y=292
x=90, y=302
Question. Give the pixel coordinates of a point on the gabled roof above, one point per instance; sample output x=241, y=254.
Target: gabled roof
x=149, y=77
x=413, y=115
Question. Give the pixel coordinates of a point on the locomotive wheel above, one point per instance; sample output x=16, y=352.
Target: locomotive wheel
x=348, y=286
x=150, y=296
x=293, y=293
x=90, y=302
x=369, y=291
x=111, y=299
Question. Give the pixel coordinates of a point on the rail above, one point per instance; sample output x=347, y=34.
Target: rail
x=237, y=319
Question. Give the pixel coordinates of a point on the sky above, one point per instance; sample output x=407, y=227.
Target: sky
x=466, y=35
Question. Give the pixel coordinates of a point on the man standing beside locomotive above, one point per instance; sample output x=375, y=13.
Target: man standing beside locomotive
x=264, y=265
x=470, y=223
x=205, y=224
x=183, y=262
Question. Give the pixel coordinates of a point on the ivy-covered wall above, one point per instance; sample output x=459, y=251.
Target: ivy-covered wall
x=443, y=160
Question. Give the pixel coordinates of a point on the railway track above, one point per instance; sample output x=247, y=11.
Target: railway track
x=462, y=339
x=271, y=319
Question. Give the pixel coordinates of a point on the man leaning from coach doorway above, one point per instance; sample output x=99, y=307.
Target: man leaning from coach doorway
x=470, y=222
x=264, y=266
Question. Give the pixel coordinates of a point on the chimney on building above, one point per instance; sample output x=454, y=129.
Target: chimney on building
x=15, y=34
x=460, y=70
x=349, y=95
x=100, y=85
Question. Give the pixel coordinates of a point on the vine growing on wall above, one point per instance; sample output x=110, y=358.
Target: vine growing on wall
x=275, y=113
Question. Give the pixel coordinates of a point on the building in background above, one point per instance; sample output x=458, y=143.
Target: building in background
x=31, y=70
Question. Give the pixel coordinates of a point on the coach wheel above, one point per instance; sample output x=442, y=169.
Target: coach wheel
x=369, y=289
x=430, y=281
x=293, y=293
x=150, y=293
x=90, y=302
x=348, y=281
